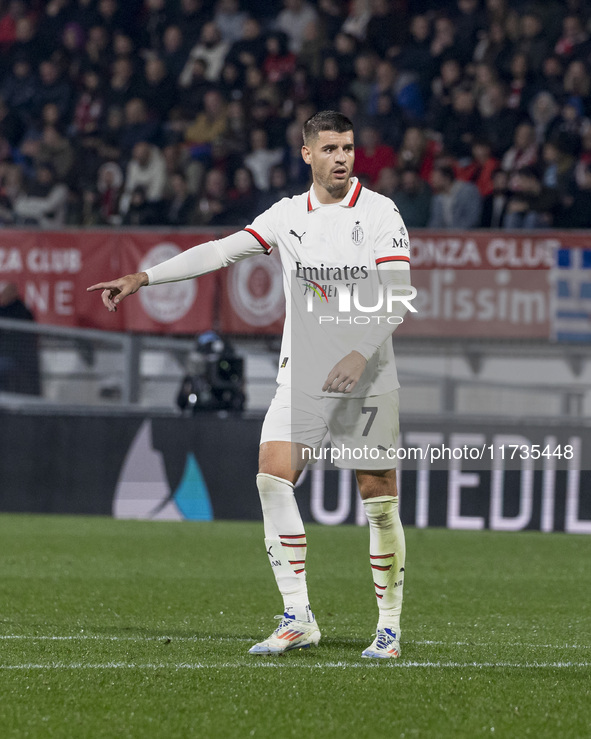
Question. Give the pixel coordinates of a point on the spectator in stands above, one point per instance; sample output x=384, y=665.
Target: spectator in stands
x=346, y=48
x=261, y=158
x=387, y=183
x=249, y=50
x=494, y=48
x=362, y=84
x=109, y=185
x=416, y=55
x=455, y=204
x=279, y=187
x=191, y=94
x=371, y=155
x=357, y=19
x=494, y=205
x=543, y=112
x=121, y=87
x=212, y=205
x=179, y=207
x=481, y=168
x=485, y=75
x=332, y=15
x=211, y=123
x=577, y=84
x=53, y=88
x=574, y=41
x=19, y=359
x=498, y=121
x=522, y=86
x=331, y=83
x=264, y=114
x=413, y=198
x=552, y=76
x=230, y=19
x=386, y=30
x=137, y=126
x=576, y=203
x=141, y=212
x=443, y=42
x=191, y=17
x=462, y=125
x=418, y=152
x=55, y=151
x=110, y=16
x=559, y=165
x=83, y=13
x=469, y=20
x=534, y=42
x=96, y=49
x=44, y=201
x=19, y=87
x=293, y=19
x=173, y=52
x=26, y=45
x=279, y=63
x=12, y=126
x=111, y=132
x=157, y=17
x=297, y=174
x=156, y=88
x=147, y=170
x=90, y=105
x=16, y=10
x=442, y=87
x=402, y=86
x=314, y=47
x=243, y=197
x=523, y=152
x=212, y=49
x=531, y=204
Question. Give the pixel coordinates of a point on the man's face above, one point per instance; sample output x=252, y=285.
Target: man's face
x=331, y=156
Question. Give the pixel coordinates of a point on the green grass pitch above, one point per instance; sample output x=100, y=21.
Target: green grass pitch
x=139, y=629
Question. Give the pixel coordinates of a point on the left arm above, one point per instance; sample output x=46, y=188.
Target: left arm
x=345, y=375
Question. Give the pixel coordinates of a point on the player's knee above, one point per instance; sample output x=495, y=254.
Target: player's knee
x=374, y=484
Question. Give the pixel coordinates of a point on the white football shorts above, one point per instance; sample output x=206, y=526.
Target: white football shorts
x=363, y=431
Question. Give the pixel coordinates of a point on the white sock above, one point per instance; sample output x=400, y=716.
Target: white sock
x=285, y=541
x=387, y=552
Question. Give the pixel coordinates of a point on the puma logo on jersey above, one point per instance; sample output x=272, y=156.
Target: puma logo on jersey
x=299, y=238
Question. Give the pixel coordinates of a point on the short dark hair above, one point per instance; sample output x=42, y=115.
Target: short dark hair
x=326, y=120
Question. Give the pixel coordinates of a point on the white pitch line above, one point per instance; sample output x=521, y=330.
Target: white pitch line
x=167, y=639
x=390, y=664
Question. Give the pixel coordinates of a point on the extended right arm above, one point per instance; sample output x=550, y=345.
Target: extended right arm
x=196, y=261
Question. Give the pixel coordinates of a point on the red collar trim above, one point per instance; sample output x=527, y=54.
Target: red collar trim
x=350, y=200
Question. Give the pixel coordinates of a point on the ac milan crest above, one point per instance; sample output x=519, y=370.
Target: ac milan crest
x=357, y=234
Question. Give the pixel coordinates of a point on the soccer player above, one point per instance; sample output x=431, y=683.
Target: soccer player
x=333, y=240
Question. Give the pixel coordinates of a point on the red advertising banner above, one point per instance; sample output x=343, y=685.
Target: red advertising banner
x=53, y=269
x=252, y=299
x=489, y=284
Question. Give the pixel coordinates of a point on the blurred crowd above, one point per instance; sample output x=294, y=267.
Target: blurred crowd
x=468, y=113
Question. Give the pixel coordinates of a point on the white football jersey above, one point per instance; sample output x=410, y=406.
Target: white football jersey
x=323, y=247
